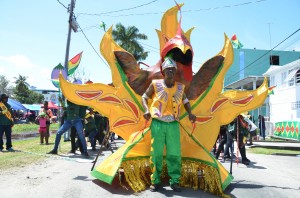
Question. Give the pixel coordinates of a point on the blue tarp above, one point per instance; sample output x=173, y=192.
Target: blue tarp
x=33, y=107
x=16, y=105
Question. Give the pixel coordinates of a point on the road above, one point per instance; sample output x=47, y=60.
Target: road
x=68, y=175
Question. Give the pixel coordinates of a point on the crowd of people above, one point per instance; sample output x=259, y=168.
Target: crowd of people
x=242, y=129
x=82, y=122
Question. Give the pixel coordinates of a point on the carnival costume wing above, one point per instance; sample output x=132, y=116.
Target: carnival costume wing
x=122, y=104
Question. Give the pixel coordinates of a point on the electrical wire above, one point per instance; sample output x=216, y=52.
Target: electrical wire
x=154, y=13
x=121, y=10
x=265, y=53
x=63, y=4
x=93, y=46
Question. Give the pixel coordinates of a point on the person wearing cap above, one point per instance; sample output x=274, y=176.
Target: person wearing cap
x=6, y=122
x=167, y=97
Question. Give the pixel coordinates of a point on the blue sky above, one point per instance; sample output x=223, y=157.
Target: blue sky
x=33, y=34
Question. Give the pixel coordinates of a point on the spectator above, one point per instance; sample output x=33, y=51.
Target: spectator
x=49, y=115
x=42, y=119
x=223, y=140
x=90, y=128
x=6, y=122
x=262, y=126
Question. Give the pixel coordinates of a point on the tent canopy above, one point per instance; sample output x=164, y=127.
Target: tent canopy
x=33, y=107
x=16, y=105
x=51, y=105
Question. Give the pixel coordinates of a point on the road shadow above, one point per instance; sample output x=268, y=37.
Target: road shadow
x=123, y=188
x=244, y=184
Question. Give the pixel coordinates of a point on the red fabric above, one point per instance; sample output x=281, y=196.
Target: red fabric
x=51, y=105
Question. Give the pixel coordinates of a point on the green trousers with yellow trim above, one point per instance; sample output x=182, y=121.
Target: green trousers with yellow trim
x=165, y=133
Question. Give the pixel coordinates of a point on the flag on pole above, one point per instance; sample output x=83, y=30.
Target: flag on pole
x=73, y=63
x=271, y=90
x=235, y=42
x=103, y=25
x=55, y=74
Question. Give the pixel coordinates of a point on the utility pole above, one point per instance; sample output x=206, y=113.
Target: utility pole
x=71, y=8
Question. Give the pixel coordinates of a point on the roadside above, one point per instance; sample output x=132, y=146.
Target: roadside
x=68, y=175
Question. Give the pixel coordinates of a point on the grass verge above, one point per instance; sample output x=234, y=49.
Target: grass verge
x=267, y=151
x=31, y=127
x=29, y=151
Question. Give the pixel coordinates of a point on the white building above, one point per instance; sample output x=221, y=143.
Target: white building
x=285, y=103
x=49, y=95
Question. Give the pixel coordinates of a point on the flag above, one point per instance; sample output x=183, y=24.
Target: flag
x=235, y=42
x=73, y=63
x=271, y=90
x=102, y=25
x=55, y=74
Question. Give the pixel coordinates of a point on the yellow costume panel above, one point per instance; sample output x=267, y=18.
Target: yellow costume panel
x=121, y=103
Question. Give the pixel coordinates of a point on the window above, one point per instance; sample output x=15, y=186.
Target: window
x=298, y=77
x=274, y=60
x=295, y=105
x=292, y=81
x=283, y=79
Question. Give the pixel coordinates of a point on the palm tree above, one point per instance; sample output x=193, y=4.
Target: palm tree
x=21, y=81
x=127, y=39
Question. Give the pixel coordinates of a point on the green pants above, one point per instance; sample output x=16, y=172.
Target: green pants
x=165, y=133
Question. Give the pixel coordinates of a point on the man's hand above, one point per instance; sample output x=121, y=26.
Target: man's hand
x=147, y=116
x=192, y=117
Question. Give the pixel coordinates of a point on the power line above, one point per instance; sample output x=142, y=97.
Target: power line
x=121, y=10
x=265, y=53
x=63, y=4
x=93, y=47
x=154, y=13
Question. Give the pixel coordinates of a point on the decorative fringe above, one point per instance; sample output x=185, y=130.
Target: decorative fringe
x=194, y=175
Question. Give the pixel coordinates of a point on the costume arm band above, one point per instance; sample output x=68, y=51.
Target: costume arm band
x=145, y=96
x=185, y=101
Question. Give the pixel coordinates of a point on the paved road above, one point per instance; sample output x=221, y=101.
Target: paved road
x=69, y=176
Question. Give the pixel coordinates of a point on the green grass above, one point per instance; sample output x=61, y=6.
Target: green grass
x=31, y=127
x=267, y=151
x=29, y=151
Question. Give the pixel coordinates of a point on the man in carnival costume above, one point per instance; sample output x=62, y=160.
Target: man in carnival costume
x=168, y=96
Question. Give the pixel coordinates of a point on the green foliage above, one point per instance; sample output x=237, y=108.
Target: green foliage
x=3, y=84
x=23, y=94
x=128, y=38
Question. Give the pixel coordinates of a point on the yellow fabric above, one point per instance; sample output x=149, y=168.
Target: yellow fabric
x=166, y=101
x=125, y=112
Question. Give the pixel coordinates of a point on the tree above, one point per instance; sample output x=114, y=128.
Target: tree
x=23, y=94
x=3, y=84
x=128, y=38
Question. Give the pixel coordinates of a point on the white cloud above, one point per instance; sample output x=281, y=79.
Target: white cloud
x=18, y=60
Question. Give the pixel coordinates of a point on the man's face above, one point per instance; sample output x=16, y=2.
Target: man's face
x=170, y=72
x=5, y=99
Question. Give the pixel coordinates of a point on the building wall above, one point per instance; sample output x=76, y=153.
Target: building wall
x=255, y=62
x=49, y=95
x=285, y=103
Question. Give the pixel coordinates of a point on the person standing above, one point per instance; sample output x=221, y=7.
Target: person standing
x=90, y=128
x=222, y=142
x=262, y=126
x=72, y=119
x=42, y=119
x=6, y=122
x=168, y=96
x=45, y=109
